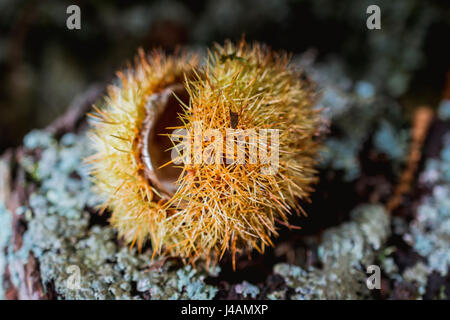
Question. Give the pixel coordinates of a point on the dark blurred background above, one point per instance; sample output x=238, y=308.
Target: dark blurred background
x=44, y=66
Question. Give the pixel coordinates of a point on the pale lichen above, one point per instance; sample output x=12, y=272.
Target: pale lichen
x=444, y=110
x=430, y=230
x=246, y=289
x=61, y=234
x=344, y=252
x=355, y=109
x=5, y=234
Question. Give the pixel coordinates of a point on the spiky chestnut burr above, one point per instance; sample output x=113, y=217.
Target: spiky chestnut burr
x=198, y=209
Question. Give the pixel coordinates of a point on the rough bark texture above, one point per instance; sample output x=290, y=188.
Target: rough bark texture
x=14, y=193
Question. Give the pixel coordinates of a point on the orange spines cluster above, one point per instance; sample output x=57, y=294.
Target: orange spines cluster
x=116, y=167
x=224, y=205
